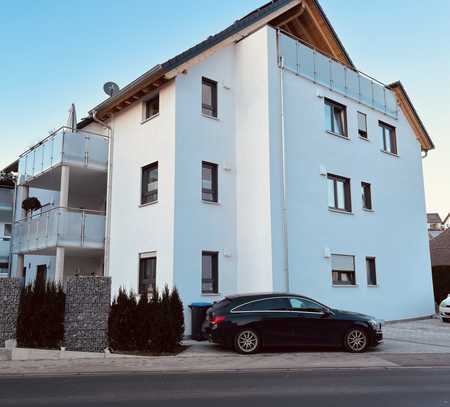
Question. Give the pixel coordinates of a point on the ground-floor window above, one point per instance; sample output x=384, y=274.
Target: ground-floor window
x=343, y=269
x=147, y=273
x=210, y=272
x=371, y=271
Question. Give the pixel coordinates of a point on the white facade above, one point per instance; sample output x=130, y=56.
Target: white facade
x=246, y=225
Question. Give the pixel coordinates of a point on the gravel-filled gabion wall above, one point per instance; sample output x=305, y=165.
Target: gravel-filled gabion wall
x=10, y=289
x=88, y=300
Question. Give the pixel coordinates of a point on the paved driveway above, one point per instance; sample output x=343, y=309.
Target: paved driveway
x=425, y=336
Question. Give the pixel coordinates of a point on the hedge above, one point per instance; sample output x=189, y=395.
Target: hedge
x=40, y=323
x=149, y=325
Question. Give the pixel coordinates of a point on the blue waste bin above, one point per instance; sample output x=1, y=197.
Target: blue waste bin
x=198, y=316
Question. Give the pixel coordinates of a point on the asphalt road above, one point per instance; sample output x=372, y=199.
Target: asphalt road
x=374, y=387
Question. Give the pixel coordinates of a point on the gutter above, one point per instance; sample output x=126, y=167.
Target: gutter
x=93, y=115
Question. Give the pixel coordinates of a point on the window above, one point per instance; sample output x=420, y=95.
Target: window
x=149, y=192
x=151, y=107
x=147, y=273
x=3, y=268
x=210, y=272
x=389, y=138
x=269, y=304
x=209, y=97
x=6, y=232
x=343, y=269
x=371, y=271
x=304, y=305
x=339, y=193
x=335, y=118
x=362, y=125
x=209, y=182
x=366, y=195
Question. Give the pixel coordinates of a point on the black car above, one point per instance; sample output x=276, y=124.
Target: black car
x=250, y=322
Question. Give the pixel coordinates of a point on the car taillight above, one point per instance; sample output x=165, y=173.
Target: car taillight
x=216, y=319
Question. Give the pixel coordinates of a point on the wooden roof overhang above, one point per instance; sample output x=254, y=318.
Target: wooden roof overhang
x=412, y=116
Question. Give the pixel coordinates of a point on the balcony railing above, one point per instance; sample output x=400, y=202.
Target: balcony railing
x=64, y=146
x=4, y=250
x=310, y=63
x=6, y=199
x=64, y=227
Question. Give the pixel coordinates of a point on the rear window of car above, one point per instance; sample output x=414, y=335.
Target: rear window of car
x=221, y=304
x=269, y=304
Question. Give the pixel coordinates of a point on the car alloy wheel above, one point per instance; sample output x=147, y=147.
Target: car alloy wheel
x=356, y=340
x=247, y=341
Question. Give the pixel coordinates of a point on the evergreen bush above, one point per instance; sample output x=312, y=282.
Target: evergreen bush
x=150, y=325
x=40, y=322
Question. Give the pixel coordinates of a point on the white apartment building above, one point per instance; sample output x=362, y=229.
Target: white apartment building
x=259, y=160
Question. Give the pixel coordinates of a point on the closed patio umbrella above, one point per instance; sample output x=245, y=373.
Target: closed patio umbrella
x=72, y=120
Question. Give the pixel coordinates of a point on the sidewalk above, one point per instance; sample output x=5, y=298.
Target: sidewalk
x=419, y=343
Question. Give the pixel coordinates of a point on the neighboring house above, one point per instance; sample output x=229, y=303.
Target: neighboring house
x=435, y=225
x=446, y=221
x=440, y=262
x=258, y=160
x=6, y=216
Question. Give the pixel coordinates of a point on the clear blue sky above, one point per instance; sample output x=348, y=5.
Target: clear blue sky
x=54, y=53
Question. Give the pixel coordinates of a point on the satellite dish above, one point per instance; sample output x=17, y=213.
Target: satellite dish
x=111, y=88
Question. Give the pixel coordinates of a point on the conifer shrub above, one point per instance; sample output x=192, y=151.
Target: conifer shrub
x=153, y=325
x=40, y=323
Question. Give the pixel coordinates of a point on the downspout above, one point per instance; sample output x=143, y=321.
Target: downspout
x=425, y=154
x=108, y=191
x=284, y=214
x=13, y=227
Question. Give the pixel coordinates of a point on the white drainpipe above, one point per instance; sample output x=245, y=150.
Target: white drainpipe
x=284, y=212
x=108, y=191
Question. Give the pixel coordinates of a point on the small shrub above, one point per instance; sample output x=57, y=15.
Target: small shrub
x=150, y=325
x=121, y=323
x=40, y=322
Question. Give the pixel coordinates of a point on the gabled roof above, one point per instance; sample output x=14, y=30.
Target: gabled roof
x=281, y=13
x=411, y=115
x=440, y=249
x=305, y=19
x=433, y=218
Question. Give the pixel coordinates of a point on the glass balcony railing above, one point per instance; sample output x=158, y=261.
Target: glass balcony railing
x=64, y=146
x=4, y=250
x=6, y=199
x=64, y=227
x=308, y=62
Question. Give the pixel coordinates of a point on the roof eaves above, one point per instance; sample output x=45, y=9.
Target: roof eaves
x=399, y=85
x=161, y=69
x=327, y=21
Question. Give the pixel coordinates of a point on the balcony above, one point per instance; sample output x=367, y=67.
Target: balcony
x=6, y=199
x=63, y=227
x=311, y=64
x=4, y=250
x=79, y=148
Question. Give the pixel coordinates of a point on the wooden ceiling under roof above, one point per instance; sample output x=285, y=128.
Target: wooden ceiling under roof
x=307, y=22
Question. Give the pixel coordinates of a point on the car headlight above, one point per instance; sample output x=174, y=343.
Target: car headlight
x=375, y=324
